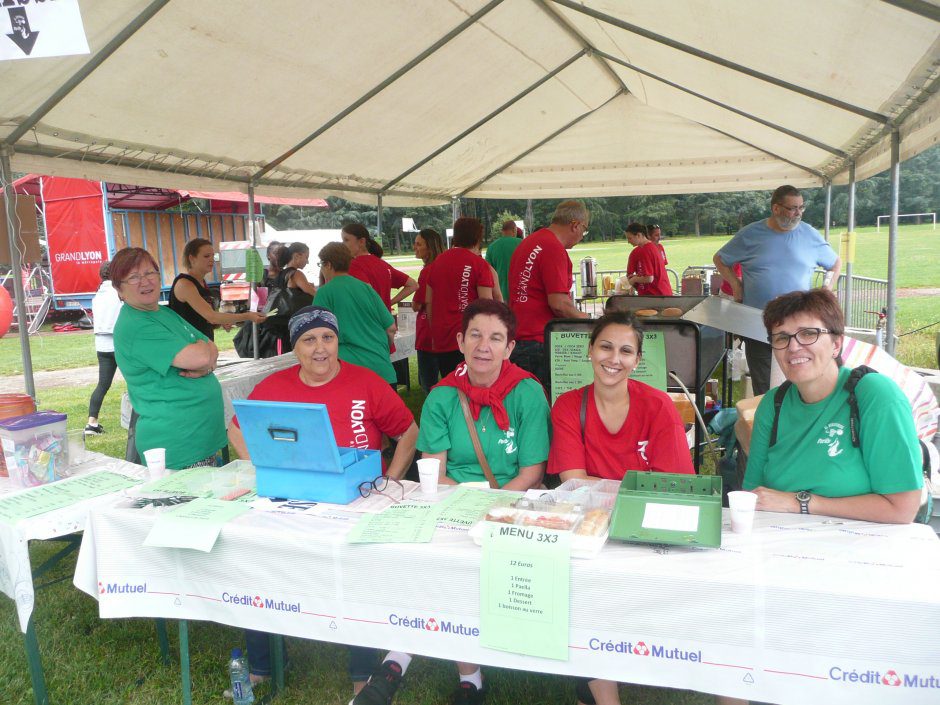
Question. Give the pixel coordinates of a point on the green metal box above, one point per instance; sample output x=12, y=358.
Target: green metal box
x=661, y=507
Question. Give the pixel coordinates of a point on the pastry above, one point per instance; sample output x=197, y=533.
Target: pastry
x=647, y=312
x=672, y=312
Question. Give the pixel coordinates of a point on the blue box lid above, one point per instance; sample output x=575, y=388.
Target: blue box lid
x=28, y=421
x=290, y=435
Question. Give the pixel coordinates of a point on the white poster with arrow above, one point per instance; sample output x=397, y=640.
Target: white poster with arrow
x=30, y=29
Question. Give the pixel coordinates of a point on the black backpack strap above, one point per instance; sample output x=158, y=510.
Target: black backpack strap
x=778, y=402
x=854, y=377
x=584, y=393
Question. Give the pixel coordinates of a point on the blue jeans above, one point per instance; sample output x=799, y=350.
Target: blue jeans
x=362, y=659
x=530, y=356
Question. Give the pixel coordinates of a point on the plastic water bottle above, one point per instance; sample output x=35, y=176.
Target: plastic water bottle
x=241, y=681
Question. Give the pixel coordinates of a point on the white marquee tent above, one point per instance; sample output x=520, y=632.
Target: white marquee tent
x=416, y=102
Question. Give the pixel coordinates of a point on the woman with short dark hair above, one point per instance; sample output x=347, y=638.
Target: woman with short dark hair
x=810, y=453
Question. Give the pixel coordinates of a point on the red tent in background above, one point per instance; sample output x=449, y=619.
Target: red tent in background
x=75, y=216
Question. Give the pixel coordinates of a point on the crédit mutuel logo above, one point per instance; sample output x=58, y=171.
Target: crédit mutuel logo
x=120, y=588
x=259, y=602
x=432, y=625
x=890, y=678
x=642, y=648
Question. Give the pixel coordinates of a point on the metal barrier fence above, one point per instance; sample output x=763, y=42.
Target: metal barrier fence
x=869, y=297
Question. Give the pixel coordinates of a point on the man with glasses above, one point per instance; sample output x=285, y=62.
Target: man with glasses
x=778, y=255
x=540, y=278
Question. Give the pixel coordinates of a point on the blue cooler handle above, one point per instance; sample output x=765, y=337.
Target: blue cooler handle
x=283, y=434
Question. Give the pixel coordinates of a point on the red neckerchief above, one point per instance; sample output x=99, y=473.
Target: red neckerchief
x=493, y=396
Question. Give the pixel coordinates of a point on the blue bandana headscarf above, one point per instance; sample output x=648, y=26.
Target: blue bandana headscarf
x=311, y=317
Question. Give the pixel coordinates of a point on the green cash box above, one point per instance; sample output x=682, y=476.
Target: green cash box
x=672, y=508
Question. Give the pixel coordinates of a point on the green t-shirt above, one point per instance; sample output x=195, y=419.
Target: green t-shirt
x=443, y=428
x=498, y=255
x=814, y=448
x=180, y=414
x=363, y=321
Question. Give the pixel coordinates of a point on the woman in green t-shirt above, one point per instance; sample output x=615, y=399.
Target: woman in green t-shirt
x=823, y=459
x=168, y=366
x=510, y=415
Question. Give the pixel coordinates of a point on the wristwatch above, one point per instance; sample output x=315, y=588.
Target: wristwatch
x=803, y=497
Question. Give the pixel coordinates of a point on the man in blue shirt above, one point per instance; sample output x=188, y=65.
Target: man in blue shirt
x=778, y=255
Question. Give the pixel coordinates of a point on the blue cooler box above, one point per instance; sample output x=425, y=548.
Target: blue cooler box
x=295, y=455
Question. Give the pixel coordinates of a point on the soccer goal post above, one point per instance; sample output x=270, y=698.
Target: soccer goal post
x=908, y=215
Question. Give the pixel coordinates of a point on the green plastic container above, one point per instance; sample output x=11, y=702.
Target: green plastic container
x=671, y=508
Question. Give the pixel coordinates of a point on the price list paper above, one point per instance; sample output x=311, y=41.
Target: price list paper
x=524, y=586
x=47, y=498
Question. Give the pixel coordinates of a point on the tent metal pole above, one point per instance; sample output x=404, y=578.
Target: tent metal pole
x=13, y=235
x=253, y=234
x=918, y=7
x=86, y=70
x=828, y=207
x=454, y=208
x=849, y=248
x=529, y=217
x=724, y=106
x=747, y=71
x=893, y=240
x=378, y=215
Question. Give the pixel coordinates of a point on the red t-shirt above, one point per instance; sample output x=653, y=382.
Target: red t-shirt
x=652, y=436
x=453, y=280
x=646, y=260
x=422, y=327
x=662, y=251
x=378, y=274
x=361, y=405
x=725, y=286
x=540, y=266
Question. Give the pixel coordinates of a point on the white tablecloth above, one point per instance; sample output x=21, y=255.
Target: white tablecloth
x=805, y=610
x=16, y=577
x=238, y=379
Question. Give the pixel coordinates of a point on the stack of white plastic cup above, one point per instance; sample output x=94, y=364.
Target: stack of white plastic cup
x=156, y=462
x=743, y=506
x=429, y=470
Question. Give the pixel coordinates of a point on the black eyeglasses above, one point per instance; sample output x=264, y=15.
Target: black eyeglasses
x=385, y=486
x=804, y=336
x=792, y=210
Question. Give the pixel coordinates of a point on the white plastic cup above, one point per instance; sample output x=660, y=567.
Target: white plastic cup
x=429, y=471
x=743, y=505
x=156, y=462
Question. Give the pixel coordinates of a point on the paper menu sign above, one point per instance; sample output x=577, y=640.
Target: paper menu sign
x=47, y=498
x=195, y=525
x=399, y=523
x=466, y=506
x=672, y=517
x=524, y=590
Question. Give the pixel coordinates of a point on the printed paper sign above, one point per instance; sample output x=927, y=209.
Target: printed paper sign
x=524, y=574
x=672, y=517
x=571, y=369
x=38, y=28
x=400, y=523
x=195, y=524
x=47, y=498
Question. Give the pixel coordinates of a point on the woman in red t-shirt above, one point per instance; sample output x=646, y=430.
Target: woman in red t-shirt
x=368, y=266
x=457, y=278
x=627, y=425
x=613, y=426
x=428, y=245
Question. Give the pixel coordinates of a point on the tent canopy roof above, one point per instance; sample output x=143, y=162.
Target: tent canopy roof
x=423, y=101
